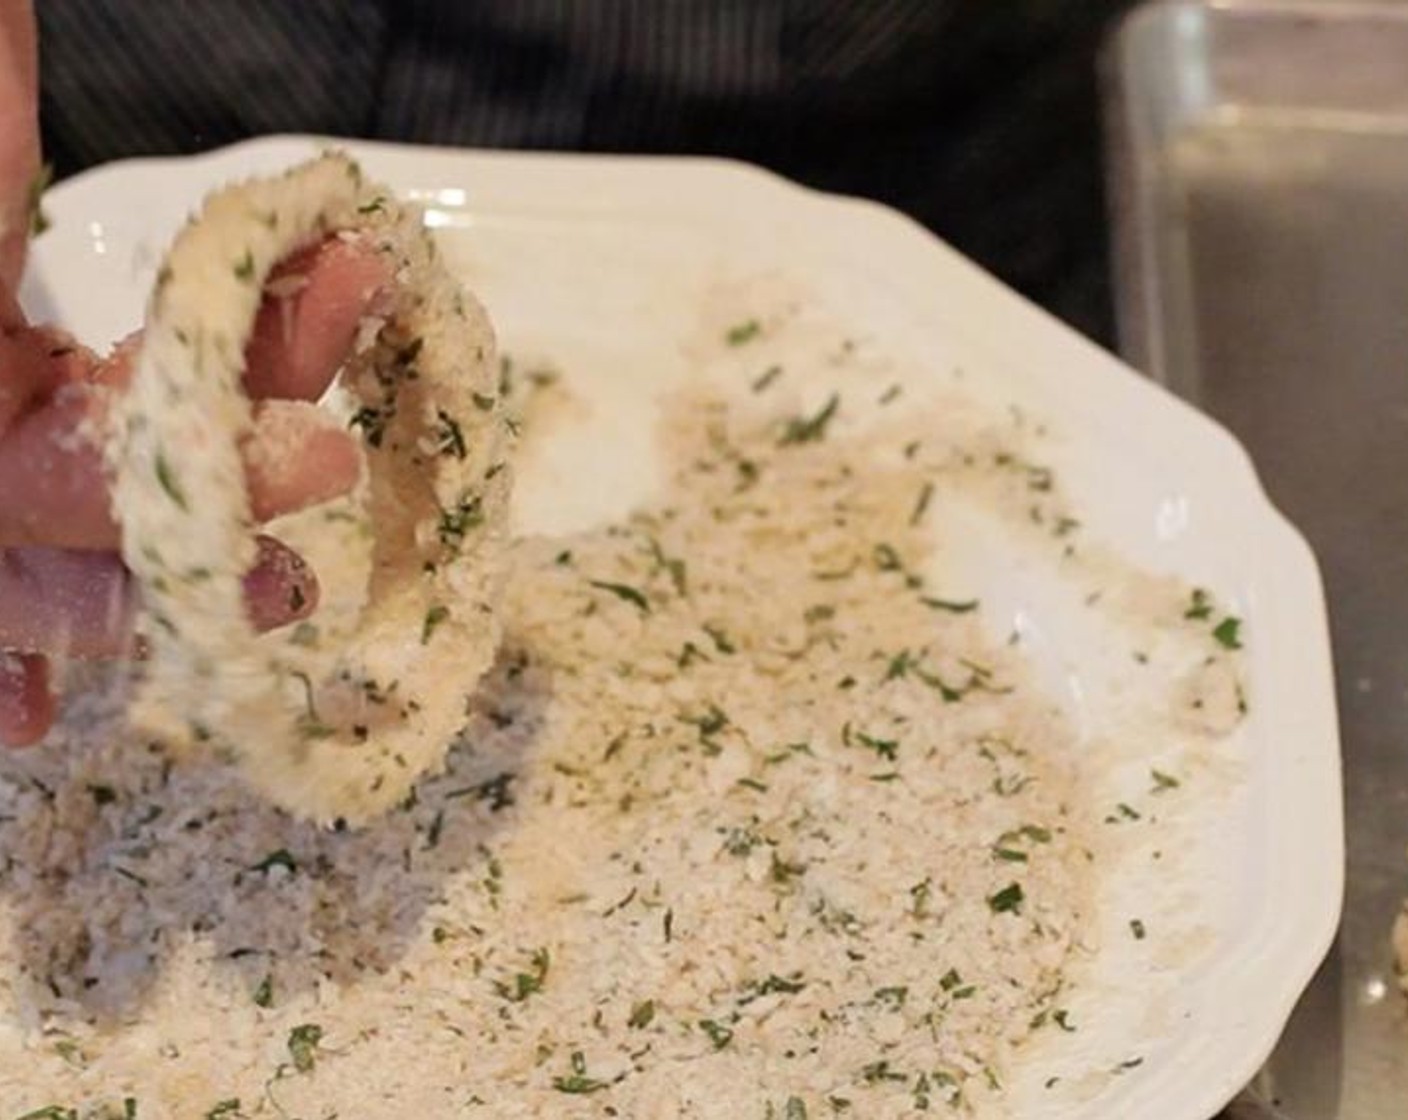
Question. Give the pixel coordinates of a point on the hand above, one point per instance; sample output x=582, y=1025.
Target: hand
x=63, y=589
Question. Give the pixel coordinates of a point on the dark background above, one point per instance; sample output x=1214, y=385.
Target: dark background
x=978, y=117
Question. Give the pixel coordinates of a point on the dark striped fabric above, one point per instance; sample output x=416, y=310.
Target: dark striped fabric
x=978, y=117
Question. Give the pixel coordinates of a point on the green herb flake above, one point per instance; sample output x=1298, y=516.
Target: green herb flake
x=303, y=1043
x=375, y=206
x=166, y=477
x=1062, y=1018
x=244, y=267
x=70, y=1051
x=1164, y=782
x=740, y=841
x=1136, y=927
x=225, y=1110
x=810, y=429
x=719, y=1034
x=497, y=791
x=888, y=749
x=675, y=567
x=1228, y=633
x=876, y=1072
x=766, y=378
x=1199, y=606
x=794, y=1109
x=51, y=1112
x=437, y=826
x=373, y=423
x=264, y=994
x=578, y=1081
x=102, y=794
x=774, y=984
x=887, y=558
x=642, y=1015
x=921, y=504
x=624, y=591
x=433, y=618
x=899, y=666
x=450, y=436
x=132, y=876
x=455, y=524
x=953, y=606
x=1009, y=855
x=722, y=642
x=743, y=332
x=1008, y=900
x=529, y=983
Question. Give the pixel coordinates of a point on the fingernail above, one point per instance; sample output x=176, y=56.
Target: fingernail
x=280, y=588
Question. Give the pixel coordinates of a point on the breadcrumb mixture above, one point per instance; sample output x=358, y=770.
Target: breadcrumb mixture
x=753, y=819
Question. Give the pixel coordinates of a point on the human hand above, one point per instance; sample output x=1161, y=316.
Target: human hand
x=63, y=589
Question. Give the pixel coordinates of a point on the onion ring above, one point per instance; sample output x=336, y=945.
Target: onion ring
x=332, y=726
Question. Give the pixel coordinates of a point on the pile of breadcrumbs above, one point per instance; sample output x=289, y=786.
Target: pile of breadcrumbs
x=752, y=820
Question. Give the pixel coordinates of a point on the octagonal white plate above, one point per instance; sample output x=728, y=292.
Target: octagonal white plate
x=615, y=268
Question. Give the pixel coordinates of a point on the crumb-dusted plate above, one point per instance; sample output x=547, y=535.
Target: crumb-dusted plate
x=619, y=271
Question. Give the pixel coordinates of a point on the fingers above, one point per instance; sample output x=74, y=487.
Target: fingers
x=26, y=704
x=297, y=456
x=81, y=604
x=280, y=588
x=60, y=602
x=83, y=609
x=33, y=363
x=53, y=487
x=19, y=137
x=53, y=482
x=313, y=305
x=11, y=314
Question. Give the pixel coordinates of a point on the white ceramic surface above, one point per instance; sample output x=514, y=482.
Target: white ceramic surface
x=615, y=269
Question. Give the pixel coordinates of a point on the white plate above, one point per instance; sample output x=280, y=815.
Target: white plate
x=615, y=268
